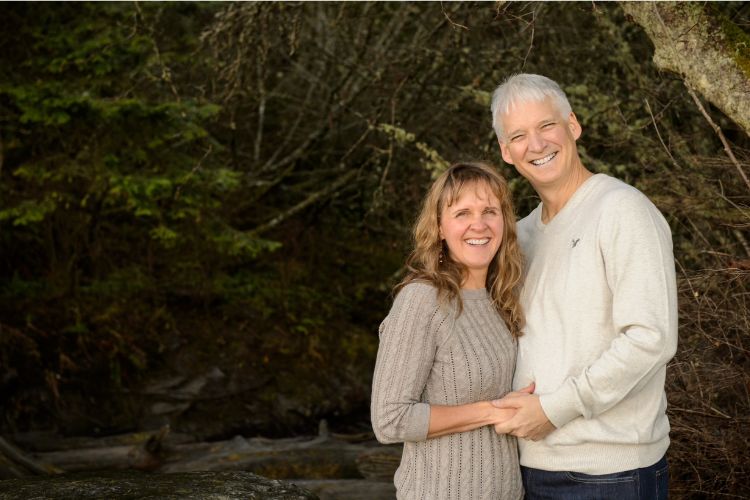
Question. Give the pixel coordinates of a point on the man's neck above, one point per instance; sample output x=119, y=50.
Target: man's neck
x=554, y=198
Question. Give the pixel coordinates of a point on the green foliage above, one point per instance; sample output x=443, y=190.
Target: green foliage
x=235, y=184
x=112, y=184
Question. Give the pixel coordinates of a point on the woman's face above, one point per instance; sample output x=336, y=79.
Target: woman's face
x=472, y=228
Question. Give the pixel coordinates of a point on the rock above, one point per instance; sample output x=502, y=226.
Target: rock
x=349, y=489
x=130, y=485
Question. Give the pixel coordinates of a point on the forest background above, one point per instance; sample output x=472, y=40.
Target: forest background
x=204, y=206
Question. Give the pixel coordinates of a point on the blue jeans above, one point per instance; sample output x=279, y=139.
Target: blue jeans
x=647, y=483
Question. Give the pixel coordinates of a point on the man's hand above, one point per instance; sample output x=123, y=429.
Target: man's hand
x=529, y=422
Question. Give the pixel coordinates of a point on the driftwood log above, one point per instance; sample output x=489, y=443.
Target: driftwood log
x=17, y=464
x=318, y=458
x=331, y=465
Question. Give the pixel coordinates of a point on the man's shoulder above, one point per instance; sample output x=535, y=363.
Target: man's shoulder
x=617, y=197
x=624, y=209
x=530, y=219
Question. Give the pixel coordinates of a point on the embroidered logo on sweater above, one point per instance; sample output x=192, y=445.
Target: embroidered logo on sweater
x=574, y=242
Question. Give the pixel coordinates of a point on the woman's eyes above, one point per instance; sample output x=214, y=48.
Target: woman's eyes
x=486, y=211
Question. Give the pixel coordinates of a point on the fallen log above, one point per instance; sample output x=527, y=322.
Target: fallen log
x=50, y=441
x=276, y=458
x=9, y=470
x=379, y=463
x=15, y=456
x=322, y=457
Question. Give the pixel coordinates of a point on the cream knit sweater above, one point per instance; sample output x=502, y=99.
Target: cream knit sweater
x=429, y=355
x=601, y=308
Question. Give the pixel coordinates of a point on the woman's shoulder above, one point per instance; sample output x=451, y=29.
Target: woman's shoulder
x=419, y=289
x=417, y=305
x=422, y=297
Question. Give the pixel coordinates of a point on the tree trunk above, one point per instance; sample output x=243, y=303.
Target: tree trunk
x=704, y=47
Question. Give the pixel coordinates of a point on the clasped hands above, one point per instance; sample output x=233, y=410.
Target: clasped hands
x=529, y=420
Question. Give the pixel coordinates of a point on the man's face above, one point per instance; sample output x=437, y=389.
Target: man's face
x=540, y=143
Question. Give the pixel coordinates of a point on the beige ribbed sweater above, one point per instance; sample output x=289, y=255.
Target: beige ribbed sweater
x=430, y=355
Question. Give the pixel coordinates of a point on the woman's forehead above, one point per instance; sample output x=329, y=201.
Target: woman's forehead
x=479, y=187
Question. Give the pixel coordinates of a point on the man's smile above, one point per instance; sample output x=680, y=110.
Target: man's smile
x=542, y=161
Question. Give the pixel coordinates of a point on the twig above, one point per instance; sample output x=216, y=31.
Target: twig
x=166, y=73
x=340, y=182
x=718, y=131
x=531, y=42
x=658, y=134
x=453, y=23
x=703, y=414
x=261, y=58
x=192, y=172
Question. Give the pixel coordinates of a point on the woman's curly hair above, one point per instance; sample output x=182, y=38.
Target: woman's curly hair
x=505, y=272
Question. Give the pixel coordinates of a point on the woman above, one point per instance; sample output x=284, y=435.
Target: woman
x=448, y=345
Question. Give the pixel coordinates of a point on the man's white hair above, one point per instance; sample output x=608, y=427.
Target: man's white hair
x=525, y=87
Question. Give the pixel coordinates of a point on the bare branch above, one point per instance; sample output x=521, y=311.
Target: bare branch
x=658, y=134
x=314, y=197
x=723, y=139
x=531, y=41
x=453, y=23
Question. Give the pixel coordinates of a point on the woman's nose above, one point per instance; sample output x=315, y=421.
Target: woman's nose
x=478, y=222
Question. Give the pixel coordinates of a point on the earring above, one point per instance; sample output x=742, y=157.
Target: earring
x=440, y=257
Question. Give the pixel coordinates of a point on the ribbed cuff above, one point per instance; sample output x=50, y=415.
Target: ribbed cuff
x=419, y=423
x=560, y=406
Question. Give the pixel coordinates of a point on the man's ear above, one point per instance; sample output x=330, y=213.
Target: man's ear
x=574, y=126
x=505, y=152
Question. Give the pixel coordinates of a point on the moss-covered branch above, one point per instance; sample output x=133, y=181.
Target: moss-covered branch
x=702, y=45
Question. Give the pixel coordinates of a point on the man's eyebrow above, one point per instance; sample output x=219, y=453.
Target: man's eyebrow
x=548, y=119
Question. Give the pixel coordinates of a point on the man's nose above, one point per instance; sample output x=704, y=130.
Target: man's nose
x=536, y=142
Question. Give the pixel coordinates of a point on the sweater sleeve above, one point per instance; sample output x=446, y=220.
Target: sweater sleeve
x=408, y=343
x=636, y=247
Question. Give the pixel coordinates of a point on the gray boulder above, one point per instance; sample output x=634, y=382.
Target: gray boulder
x=133, y=485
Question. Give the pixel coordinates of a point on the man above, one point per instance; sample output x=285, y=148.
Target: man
x=601, y=312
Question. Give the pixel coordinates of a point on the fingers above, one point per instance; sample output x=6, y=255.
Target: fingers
x=529, y=389
x=503, y=428
x=506, y=402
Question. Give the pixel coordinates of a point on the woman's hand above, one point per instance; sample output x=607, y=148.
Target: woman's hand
x=508, y=413
x=529, y=420
x=451, y=419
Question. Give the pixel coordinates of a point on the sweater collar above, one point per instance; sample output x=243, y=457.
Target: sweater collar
x=474, y=294
x=565, y=216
